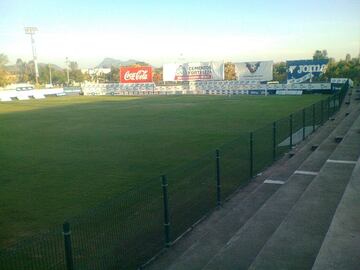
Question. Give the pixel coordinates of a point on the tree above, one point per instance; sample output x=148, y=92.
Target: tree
x=4, y=79
x=229, y=71
x=348, y=57
x=73, y=66
x=318, y=55
x=75, y=73
x=20, y=70
x=279, y=72
x=44, y=74
x=86, y=76
x=30, y=71
x=344, y=69
x=3, y=60
x=113, y=76
x=58, y=76
x=158, y=75
x=5, y=76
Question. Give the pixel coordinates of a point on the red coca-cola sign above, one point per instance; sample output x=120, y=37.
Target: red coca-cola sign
x=136, y=74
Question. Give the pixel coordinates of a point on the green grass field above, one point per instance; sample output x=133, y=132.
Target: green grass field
x=61, y=156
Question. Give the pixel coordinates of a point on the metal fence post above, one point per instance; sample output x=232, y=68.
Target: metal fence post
x=166, y=211
x=68, y=248
x=340, y=96
x=340, y=101
x=328, y=107
x=291, y=130
x=274, y=141
x=313, y=116
x=303, y=122
x=218, y=184
x=251, y=155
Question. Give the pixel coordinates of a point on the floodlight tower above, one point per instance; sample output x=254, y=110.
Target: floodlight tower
x=31, y=31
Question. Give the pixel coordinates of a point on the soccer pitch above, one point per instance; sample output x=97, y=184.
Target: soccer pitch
x=61, y=156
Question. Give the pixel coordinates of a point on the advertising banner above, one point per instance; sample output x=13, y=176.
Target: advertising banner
x=135, y=74
x=342, y=81
x=254, y=71
x=193, y=71
x=299, y=71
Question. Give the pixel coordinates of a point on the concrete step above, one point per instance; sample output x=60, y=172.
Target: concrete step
x=243, y=247
x=296, y=242
x=341, y=247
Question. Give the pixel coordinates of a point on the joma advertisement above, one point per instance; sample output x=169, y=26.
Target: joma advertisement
x=194, y=71
x=299, y=71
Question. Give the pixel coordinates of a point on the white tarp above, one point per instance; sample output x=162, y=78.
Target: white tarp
x=7, y=95
x=193, y=71
x=254, y=71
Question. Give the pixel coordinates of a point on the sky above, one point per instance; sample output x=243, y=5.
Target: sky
x=161, y=32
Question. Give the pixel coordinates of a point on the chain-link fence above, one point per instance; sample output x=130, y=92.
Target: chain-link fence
x=126, y=232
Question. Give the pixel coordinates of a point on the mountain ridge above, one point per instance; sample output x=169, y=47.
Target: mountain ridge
x=109, y=62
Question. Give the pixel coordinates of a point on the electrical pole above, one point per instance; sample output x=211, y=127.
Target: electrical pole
x=31, y=31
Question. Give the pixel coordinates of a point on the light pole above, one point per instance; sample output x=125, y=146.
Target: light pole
x=31, y=31
x=67, y=70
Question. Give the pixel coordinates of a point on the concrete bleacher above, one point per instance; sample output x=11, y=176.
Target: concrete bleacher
x=95, y=89
x=341, y=247
x=296, y=242
x=203, y=88
x=302, y=213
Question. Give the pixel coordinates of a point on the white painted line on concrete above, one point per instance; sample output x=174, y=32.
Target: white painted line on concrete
x=306, y=172
x=276, y=182
x=341, y=161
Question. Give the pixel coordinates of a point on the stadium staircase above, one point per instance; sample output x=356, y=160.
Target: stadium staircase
x=301, y=213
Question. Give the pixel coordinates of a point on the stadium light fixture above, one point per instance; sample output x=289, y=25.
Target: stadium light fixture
x=31, y=31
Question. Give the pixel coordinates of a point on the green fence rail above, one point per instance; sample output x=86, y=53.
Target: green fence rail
x=127, y=231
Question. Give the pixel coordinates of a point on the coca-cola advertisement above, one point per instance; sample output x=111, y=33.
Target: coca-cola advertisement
x=136, y=74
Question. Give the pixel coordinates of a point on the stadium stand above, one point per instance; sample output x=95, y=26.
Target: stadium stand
x=192, y=88
x=92, y=89
x=203, y=88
